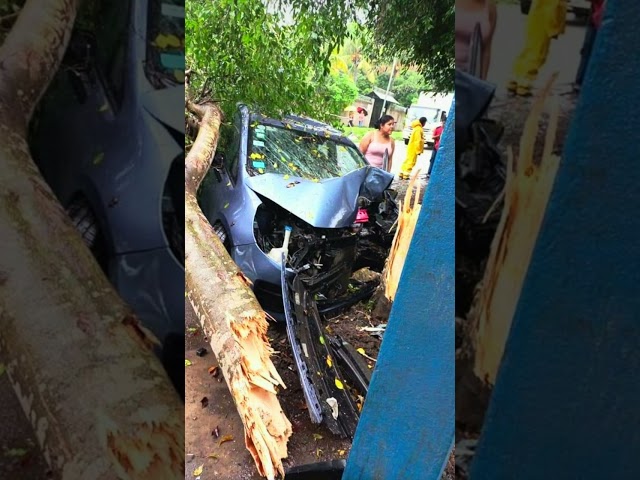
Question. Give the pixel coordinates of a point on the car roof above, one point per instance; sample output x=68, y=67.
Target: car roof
x=303, y=124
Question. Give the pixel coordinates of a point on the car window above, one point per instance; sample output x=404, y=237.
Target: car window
x=164, y=65
x=229, y=143
x=112, y=38
x=309, y=155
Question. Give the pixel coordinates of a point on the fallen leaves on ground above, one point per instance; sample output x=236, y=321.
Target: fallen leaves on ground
x=226, y=438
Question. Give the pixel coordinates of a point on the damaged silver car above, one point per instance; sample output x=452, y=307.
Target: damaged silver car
x=300, y=187
x=299, y=209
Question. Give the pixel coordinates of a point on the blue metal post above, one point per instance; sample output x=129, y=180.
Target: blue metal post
x=565, y=404
x=406, y=430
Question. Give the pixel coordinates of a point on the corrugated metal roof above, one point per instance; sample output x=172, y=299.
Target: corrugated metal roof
x=382, y=95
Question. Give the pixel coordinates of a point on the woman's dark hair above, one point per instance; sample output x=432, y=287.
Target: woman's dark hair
x=382, y=120
x=422, y=120
x=443, y=117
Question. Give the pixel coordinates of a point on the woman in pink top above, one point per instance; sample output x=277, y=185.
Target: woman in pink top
x=374, y=143
x=470, y=13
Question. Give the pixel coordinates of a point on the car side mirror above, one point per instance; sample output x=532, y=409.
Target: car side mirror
x=218, y=160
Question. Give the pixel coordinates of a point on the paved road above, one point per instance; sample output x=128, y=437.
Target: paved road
x=564, y=56
x=400, y=154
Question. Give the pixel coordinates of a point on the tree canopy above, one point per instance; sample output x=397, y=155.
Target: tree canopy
x=277, y=54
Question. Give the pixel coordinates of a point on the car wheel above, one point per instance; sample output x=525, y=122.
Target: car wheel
x=222, y=235
x=525, y=6
x=86, y=223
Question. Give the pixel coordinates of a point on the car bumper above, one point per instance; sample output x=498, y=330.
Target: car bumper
x=152, y=283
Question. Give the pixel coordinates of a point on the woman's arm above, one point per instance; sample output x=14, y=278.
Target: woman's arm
x=486, y=50
x=391, y=150
x=364, y=143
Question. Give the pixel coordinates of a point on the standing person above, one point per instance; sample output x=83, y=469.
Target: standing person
x=437, y=134
x=546, y=20
x=595, y=20
x=470, y=13
x=374, y=143
x=415, y=148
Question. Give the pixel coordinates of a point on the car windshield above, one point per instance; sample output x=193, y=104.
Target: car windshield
x=310, y=155
x=164, y=66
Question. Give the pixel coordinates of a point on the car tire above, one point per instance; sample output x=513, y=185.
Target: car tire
x=86, y=223
x=221, y=232
x=525, y=6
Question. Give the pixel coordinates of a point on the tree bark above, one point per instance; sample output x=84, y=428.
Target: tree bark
x=527, y=191
x=230, y=314
x=407, y=220
x=82, y=367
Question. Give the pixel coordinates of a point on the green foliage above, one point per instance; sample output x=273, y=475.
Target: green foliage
x=406, y=87
x=250, y=51
x=340, y=91
x=240, y=52
x=364, y=86
x=416, y=32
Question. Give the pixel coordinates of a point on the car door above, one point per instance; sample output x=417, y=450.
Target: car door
x=221, y=194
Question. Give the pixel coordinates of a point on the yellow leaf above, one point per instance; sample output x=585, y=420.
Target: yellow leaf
x=360, y=351
x=229, y=183
x=226, y=205
x=104, y=107
x=187, y=363
x=198, y=471
x=226, y=438
x=322, y=340
x=315, y=180
x=286, y=177
x=179, y=76
x=97, y=160
x=339, y=384
x=213, y=455
x=329, y=361
x=261, y=170
x=317, y=436
x=275, y=165
x=341, y=452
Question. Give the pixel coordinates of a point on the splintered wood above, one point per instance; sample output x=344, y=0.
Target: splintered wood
x=527, y=189
x=231, y=316
x=407, y=220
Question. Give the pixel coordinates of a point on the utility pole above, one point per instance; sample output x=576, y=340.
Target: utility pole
x=393, y=74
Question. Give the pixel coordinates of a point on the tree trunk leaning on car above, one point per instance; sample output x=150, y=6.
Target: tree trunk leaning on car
x=229, y=313
x=78, y=360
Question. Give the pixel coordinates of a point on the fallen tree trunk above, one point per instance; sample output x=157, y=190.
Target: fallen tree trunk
x=407, y=220
x=82, y=367
x=230, y=314
x=527, y=189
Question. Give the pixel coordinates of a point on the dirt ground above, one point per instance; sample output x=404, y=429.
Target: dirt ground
x=309, y=443
x=472, y=398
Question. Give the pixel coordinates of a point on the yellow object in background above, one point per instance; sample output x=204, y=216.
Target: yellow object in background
x=546, y=20
x=415, y=148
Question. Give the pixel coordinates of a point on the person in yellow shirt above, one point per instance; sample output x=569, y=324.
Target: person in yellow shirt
x=545, y=21
x=415, y=148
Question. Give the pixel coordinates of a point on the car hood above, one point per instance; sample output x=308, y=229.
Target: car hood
x=330, y=203
x=163, y=105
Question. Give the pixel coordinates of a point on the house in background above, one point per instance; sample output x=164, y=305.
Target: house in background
x=372, y=103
